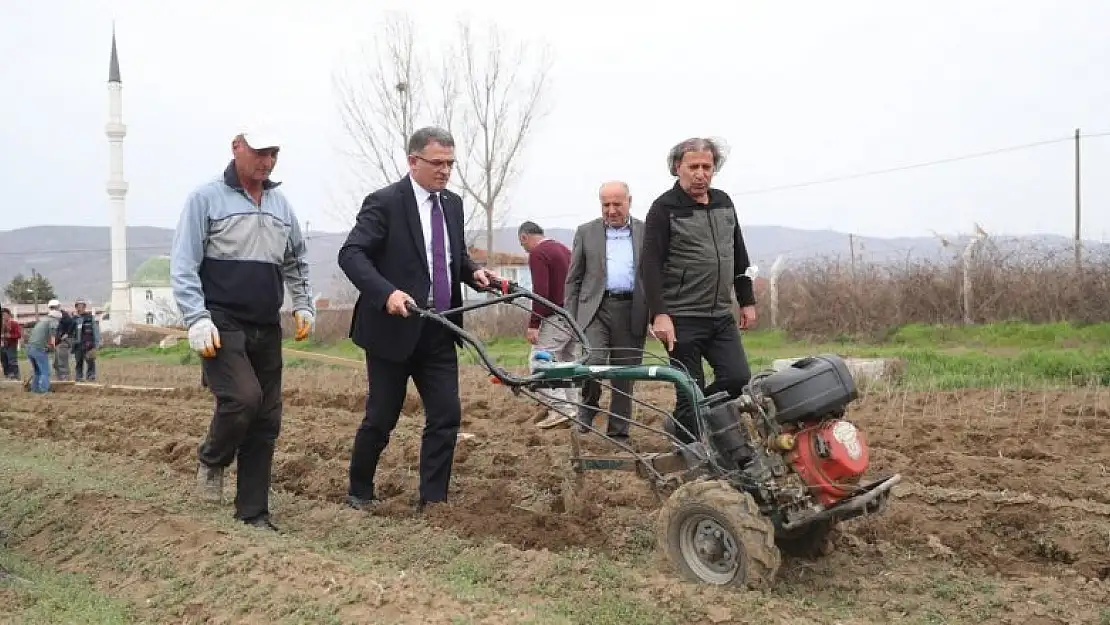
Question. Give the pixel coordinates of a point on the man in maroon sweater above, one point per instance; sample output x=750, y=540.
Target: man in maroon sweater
x=548, y=261
x=10, y=334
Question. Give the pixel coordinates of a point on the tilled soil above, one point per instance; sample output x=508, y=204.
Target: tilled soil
x=1001, y=484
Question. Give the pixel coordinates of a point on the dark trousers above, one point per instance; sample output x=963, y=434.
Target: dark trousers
x=9, y=361
x=434, y=368
x=61, y=358
x=612, y=342
x=80, y=359
x=716, y=339
x=245, y=378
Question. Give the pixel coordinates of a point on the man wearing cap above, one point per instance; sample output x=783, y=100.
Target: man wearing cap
x=41, y=341
x=237, y=244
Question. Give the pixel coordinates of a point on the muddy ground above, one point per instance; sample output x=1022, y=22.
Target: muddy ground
x=1004, y=515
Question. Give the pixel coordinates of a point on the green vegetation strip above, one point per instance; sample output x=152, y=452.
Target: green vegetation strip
x=937, y=357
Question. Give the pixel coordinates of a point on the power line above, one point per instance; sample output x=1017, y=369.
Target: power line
x=878, y=172
x=797, y=185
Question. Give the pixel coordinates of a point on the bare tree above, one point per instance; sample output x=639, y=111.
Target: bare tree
x=380, y=97
x=491, y=96
x=483, y=99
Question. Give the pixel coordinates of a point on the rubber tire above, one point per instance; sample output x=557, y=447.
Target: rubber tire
x=810, y=543
x=738, y=513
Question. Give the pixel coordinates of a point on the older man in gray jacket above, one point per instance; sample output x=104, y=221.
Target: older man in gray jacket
x=604, y=295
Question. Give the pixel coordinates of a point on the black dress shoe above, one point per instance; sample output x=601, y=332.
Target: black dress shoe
x=359, y=503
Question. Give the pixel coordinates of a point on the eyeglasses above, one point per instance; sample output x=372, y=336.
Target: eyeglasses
x=438, y=164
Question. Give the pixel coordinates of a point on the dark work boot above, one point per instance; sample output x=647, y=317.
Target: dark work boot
x=358, y=503
x=263, y=522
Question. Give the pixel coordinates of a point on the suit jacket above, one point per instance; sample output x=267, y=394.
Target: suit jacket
x=586, y=278
x=385, y=251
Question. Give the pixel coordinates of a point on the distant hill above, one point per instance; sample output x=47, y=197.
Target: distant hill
x=77, y=259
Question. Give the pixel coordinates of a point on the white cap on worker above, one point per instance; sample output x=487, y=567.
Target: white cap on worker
x=53, y=304
x=260, y=136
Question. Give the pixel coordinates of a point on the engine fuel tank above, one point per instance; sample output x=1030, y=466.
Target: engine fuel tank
x=810, y=388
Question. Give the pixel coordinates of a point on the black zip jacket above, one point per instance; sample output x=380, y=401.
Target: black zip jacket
x=694, y=256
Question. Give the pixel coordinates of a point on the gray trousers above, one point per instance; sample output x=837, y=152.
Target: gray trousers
x=559, y=340
x=612, y=342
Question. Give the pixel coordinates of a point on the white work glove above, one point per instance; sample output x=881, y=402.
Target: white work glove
x=204, y=338
x=305, y=322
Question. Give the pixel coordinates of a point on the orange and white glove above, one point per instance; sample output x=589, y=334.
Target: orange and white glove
x=305, y=322
x=204, y=338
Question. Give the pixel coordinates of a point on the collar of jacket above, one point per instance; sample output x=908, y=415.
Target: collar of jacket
x=231, y=178
x=679, y=198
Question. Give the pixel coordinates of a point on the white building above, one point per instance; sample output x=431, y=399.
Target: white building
x=514, y=267
x=149, y=295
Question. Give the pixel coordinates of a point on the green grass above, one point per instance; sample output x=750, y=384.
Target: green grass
x=32, y=594
x=1001, y=354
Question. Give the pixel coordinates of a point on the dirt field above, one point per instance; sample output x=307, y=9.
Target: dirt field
x=1004, y=516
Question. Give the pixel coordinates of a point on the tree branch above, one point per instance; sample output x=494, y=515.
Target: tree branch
x=490, y=97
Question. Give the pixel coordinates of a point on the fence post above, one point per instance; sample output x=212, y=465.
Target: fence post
x=967, y=255
x=773, y=286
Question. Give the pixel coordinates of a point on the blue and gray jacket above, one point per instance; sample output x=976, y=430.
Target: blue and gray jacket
x=234, y=256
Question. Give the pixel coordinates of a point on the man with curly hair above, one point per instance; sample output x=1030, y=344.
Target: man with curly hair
x=693, y=259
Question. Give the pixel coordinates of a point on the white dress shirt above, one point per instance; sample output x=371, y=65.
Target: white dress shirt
x=424, y=210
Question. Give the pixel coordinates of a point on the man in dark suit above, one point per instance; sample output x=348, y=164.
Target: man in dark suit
x=408, y=246
x=605, y=296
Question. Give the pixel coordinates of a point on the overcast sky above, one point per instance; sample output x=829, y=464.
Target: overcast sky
x=802, y=91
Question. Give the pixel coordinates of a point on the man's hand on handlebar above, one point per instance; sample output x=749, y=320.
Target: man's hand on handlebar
x=398, y=303
x=483, y=277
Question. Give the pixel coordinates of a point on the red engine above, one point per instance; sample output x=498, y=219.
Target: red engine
x=830, y=457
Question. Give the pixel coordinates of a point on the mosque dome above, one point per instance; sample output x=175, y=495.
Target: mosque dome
x=154, y=272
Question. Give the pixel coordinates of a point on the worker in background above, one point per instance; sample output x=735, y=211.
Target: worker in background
x=238, y=245
x=41, y=341
x=63, y=342
x=548, y=262
x=86, y=333
x=10, y=335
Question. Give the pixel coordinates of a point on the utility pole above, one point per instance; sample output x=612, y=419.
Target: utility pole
x=852, y=251
x=1078, y=243
x=35, y=291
